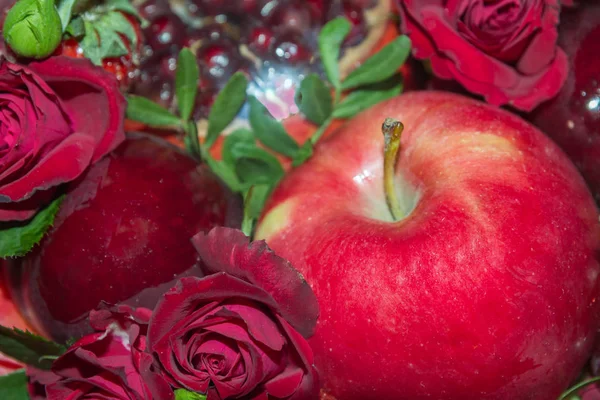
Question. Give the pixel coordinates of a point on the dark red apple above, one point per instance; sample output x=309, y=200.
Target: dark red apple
x=122, y=234
x=487, y=288
x=572, y=119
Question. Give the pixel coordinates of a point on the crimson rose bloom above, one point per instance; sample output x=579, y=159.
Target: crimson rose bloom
x=234, y=333
x=111, y=363
x=56, y=118
x=504, y=50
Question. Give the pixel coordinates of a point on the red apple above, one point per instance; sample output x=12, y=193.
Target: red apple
x=572, y=118
x=487, y=288
x=122, y=234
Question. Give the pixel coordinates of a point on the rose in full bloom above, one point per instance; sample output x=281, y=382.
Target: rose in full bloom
x=111, y=363
x=56, y=118
x=504, y=50
x=238, y=331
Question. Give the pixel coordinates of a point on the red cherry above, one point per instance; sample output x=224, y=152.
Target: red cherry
x=294, y=16
x=219, y=59
x=260, y=39
x=356, y=17
x=165, y=31
x=290, y=48
x=151, y=9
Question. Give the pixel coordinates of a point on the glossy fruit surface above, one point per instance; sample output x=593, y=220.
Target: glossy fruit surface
x=572, y=119
x=487, y=289
x=125, y=227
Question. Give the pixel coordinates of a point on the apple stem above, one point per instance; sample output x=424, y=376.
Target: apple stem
x=392, y=130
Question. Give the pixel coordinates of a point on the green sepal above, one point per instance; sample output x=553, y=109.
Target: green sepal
x=65, y=11
x=76, y=28
x=14, y=386
x=122, y=5
x=103, y=36
x=28, y=348
x=18, y=238
x=184, y=394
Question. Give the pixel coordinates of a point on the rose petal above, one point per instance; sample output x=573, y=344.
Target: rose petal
x=537, y=75
x=63, y=164
x=91, y=96
x=227, y=250
x=175, y=306
x=260, y=326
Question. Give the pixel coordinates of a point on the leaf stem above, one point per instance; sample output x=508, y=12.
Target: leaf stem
x=575, y=388
x=392, y=130
x=319, y=132
x=247, y=219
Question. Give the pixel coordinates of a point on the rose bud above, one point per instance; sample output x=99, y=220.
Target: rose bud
x=33, y=28
x=235, y=333
x=111, y=363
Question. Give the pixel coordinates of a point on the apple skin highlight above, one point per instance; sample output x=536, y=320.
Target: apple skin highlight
x=487, y=289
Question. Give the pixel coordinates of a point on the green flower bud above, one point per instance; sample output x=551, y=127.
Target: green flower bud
x=33, y=28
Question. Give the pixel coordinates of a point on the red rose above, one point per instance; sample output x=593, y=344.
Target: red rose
x=56, y=118
x=111, y=363
x=504, y=50
x=234, y=333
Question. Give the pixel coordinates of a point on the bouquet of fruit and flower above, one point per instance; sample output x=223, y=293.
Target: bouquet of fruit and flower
x=299, y=199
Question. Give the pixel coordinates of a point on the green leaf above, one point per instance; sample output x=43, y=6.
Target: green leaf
x=314, y=99
x=330, y=40
x=191, y=140
x=224, y=172
x=238, y=136
x=183, y=394
x=76, y=27
x=380, y=66
x=255, y=166
x=14, y=386
x=367, y=96
x=28, y=348
x=227, y=105
x=186, y=82
x=305, y=152
x=254, y=202
x=147, y=112
x=18, y=238
x=65, y=9
x=269, y=131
